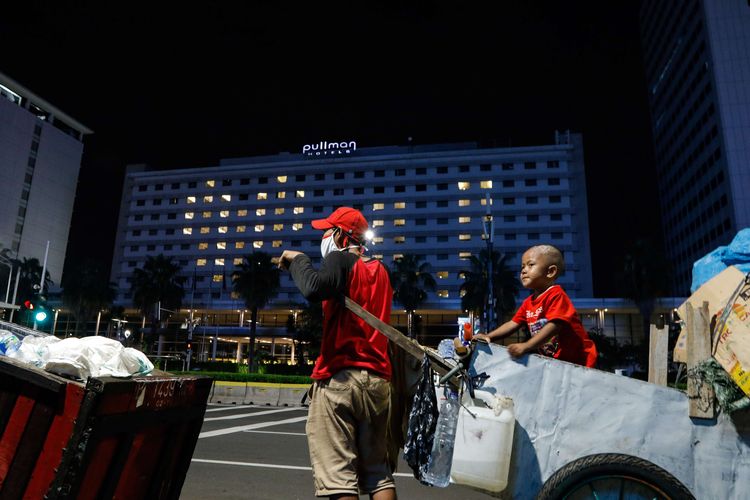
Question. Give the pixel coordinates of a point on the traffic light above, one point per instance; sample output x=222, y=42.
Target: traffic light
x=188, y=345
x=37, y=309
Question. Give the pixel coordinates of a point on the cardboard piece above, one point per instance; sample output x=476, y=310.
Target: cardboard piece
x=728, y=297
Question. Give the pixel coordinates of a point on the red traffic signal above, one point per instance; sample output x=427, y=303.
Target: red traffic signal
x=28, y=305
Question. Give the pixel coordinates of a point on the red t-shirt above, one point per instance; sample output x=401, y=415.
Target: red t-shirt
x=572, y=343
x=349, y=342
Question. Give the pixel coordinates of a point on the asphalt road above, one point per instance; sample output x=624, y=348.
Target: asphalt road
x=260, y=452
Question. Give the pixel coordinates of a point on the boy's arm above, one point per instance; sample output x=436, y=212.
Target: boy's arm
x=547, y=332
x=501, y=331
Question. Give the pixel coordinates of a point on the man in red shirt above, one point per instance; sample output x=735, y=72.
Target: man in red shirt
x=350, y=396
x=555, y=328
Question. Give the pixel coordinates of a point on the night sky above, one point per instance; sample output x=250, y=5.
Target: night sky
x=186, y=87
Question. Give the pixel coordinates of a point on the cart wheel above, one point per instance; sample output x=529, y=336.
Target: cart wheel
x=612, y=475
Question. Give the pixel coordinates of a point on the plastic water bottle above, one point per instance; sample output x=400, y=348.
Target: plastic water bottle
x=439, y=467
x=9, y=343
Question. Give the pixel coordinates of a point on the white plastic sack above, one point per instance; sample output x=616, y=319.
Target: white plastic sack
x=94, y=357
x=34, y=350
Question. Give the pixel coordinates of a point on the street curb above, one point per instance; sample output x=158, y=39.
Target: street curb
x=257, y=393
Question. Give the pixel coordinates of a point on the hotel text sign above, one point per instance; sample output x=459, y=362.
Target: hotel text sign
x=325, y=148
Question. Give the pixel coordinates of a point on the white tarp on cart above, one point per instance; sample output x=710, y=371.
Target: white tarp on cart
x=564, y=412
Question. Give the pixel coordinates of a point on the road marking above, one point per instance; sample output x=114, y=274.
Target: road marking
x=282, y=433
x=271, y=466
x=241, y=428
x=255, y=414
x=230, y=407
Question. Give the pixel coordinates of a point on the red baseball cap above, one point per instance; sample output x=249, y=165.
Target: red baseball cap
x=348, y=219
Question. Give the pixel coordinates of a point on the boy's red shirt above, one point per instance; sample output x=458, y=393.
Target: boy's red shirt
x=572, y=343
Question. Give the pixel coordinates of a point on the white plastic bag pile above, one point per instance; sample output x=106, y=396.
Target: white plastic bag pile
x=82, y=358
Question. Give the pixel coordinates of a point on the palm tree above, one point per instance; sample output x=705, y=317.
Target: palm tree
x=474, y=291
x=157, y=285
x=410, y=280
x=257, y=282
x=644, y=276
x=87, y=290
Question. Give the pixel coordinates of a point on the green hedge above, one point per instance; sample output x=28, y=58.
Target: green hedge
x=250, y=377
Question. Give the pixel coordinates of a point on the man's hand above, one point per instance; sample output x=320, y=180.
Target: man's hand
x=517, y=350
x=287, y=257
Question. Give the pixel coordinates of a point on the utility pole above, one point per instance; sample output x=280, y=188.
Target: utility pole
x=488, y=226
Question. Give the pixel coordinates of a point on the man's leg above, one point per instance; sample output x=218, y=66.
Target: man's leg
x=386, y=494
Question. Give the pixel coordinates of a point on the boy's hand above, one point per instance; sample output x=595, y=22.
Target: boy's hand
x=482, y=337
x=517, y=350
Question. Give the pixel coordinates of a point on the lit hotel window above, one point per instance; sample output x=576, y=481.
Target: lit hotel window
x=223, y=229
x=202, y=246
x=278, y=227
x=191, y=199
x=240, y=229
x=463, y=186
x=281, y=195
x=377, y=239
x=207, y=214
x=377, y=223
x=276, y=243
x=218, y=278
x=378, y=256
x=442, y=274
x=257, y=244
x=399, y=222
x=210, y=184
x=300, y=193
x=258, y=228
x=399, y=239
x=219, y=262
x=237, y=261
x=464, y=220
x=262, y=196
x=187, y=230
x=281, y=179
x=484, y=202
x=239, y=244
x=464, y=255
x=205, y=230
x=399, y=204
x=242, y=212
x=279, y=211
x=260, y=212
x=397, y=256
x=224, y=213
x=221, y=245
x=297, y=226
x=442, y=294
x=200, y=262
x=208, y=199
x=485, y=184
x=189, y=215
x=299, y=210
x=464, y=237
x=464, y=203
x=226, y=197
x=378, y=206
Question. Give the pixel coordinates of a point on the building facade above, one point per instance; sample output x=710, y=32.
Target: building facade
x=40, y=156
x=697, y=66
x=426, y=200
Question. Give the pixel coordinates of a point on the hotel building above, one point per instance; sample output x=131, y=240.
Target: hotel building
x=40, y=155
x=697, y=65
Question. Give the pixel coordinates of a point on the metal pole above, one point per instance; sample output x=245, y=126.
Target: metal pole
x=10, y=276
x=54, y=323
x=98, y=319
x=44, y=270
x=15, y=292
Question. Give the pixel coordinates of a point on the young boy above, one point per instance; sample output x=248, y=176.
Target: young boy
x=556, y=330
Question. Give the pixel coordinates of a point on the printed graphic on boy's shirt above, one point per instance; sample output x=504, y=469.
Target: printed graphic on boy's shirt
x=550, y=347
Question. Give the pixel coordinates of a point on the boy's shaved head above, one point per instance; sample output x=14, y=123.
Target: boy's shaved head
x=552, y=255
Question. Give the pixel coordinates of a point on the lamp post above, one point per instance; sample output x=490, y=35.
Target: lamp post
x=488, y=227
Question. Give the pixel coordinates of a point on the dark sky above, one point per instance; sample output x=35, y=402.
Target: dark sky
x=185, y=87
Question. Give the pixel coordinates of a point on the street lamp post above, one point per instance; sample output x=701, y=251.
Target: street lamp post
x=488, y=226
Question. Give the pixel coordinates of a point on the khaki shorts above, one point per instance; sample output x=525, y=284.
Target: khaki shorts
x=346, y=433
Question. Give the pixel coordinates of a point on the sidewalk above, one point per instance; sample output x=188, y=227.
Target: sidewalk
x=257, y=393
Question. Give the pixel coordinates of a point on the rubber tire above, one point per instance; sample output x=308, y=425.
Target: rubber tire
x=570, y=477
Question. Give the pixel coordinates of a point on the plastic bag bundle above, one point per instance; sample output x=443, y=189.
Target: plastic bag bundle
x=34, y=350
x=422, y=422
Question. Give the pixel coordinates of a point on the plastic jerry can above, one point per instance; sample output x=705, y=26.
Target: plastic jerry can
x=484, y=442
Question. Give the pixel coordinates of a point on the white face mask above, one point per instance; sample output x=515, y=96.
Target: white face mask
x=328, y=245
